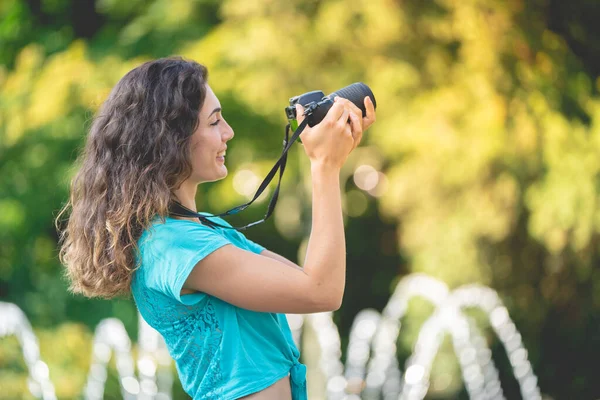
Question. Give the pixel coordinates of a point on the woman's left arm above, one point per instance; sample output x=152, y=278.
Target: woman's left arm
x=275, y=256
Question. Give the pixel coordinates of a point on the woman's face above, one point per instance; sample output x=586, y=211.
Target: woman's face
x=209, y=142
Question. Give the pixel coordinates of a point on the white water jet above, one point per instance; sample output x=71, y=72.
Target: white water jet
x=330, y=363
x=446, y=318
x=493, y=388
x=383, y=376
x=488, y=300
x=111, y=337
x=154, y=363
x=361, y=336
x=296, y=322
x=14, y=322
x=383, y=371
x=371, y=366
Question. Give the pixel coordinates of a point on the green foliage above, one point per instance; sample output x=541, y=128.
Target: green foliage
x=488, y=134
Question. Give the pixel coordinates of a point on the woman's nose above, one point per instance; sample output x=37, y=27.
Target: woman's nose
x=229, y=132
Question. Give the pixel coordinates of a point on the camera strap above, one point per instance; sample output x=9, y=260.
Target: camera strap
x=178, y=209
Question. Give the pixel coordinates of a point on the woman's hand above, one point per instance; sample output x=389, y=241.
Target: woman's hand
x=330, y=141
x=365, y=122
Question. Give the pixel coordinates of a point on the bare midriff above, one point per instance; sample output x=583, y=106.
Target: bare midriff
x=280, y=390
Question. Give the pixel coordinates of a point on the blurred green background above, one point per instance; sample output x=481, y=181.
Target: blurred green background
x=484, y=165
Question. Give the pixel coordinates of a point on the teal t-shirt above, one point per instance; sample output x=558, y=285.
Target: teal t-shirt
x=221, y=351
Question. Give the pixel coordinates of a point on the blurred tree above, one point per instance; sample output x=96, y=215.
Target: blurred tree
x=485, y=152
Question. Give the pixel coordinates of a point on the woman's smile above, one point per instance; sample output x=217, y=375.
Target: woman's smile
x=221, y=156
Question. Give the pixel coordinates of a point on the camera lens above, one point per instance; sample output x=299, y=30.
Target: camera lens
x=356, y=93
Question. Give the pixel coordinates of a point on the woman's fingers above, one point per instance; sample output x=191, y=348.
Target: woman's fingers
x=300, y=117
x=335, y=112
x=299, y=113
x=352, y=107
x=369, y=119
x=355, y=123
x=343, y=119
x=357, y=130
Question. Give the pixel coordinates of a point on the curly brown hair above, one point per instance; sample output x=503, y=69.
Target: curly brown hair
x=137, y=152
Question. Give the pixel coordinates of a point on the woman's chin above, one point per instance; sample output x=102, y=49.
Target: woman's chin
x=223, y=173
x=217, y=177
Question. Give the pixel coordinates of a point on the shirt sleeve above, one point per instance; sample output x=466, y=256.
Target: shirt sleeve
x=239, y=238
x=252, y=246
x=177, y=249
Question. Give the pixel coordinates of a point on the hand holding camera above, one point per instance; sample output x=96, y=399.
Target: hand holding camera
x=330, y=141
x=335, y=122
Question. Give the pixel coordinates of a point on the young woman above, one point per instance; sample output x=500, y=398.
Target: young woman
x=217, y=298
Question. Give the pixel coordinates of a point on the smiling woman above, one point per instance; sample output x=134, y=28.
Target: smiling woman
x=208, y=144
x=218, y=299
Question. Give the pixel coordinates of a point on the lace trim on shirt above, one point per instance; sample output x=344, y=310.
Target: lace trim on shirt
x=194, y=340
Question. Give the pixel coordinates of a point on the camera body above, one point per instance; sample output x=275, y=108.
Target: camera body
x=316, y=104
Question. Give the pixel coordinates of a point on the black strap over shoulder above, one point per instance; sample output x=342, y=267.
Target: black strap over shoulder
x=179, y=210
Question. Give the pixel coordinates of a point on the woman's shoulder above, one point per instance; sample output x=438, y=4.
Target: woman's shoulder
x=172, y=223
x=166, y=230
x=214, y=218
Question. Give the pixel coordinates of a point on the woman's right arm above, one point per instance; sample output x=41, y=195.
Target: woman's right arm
x=260, y=283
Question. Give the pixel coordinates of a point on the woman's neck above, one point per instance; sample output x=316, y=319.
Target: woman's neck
x=186, y=195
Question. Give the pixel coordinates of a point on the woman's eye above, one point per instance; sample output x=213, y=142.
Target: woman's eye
x=216, y=122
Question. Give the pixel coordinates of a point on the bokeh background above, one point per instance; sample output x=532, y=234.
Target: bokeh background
x=483, y=166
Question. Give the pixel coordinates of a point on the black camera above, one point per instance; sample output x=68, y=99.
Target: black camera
x=316, y=104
